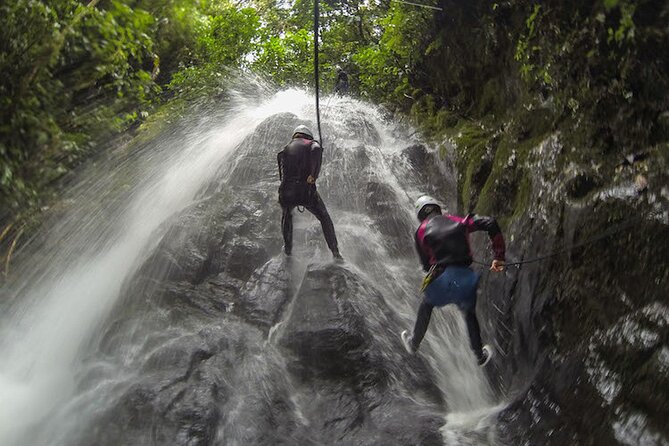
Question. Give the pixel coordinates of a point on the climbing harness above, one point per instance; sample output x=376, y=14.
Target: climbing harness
x=429, y=277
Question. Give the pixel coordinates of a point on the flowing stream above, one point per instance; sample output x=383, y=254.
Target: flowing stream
x=96, y=349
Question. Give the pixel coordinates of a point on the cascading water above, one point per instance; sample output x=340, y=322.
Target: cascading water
x=159, y=309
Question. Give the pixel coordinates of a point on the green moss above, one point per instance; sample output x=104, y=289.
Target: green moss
x=663, y=151
x=490, y=154
x=424, y=107
x=475, y=145
x=499, y=183
x=522, y=199
x=443, y=119
x=491, y=101
x=434, y=121
x=507, y=188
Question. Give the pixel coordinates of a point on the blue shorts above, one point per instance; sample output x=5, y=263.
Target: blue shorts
x=456, y=285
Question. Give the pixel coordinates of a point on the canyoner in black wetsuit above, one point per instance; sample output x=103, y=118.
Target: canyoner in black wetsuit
x=341, y=85
x=442, y=242
x=299, y=166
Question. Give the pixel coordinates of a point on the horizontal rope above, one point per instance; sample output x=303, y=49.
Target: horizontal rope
x=607, y=233
x=419, y=4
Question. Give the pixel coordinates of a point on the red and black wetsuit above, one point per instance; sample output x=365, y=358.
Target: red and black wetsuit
x=442, y=242
x=297, y=161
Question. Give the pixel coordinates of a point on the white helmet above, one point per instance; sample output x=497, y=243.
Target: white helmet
x=422, y=202
x=303, y=129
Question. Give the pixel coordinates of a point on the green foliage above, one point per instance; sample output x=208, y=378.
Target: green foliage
x=223, y=37
x=71, y=73
x=377, y=75
x=625, y=29
x=227, y=34
x=386, y=68
x=590, y=69
x=525, y=50
x=287, y=60
x=597, y=64
x=77, y=73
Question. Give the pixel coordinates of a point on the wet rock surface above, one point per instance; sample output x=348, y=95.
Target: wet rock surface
x=221, y=339
x=428, y=173
x=343, y=351
x=582, y=333
x=218, y=338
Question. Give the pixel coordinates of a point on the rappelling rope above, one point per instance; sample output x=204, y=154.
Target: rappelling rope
x=607, y=233
x=318, y=111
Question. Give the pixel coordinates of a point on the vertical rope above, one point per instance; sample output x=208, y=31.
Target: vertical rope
x=318, y=111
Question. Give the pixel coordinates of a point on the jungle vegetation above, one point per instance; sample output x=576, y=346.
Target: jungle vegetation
x=489, y=76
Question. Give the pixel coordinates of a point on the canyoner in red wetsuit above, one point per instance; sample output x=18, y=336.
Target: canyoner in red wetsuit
x=442, y=242
x=299, y=166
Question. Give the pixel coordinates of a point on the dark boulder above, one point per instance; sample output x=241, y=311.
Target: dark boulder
x=345, y=347
x=264, y=296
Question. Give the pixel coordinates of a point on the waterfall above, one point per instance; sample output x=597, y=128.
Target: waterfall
x=87, y=321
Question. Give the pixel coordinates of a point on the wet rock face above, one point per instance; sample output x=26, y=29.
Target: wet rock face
x=192, y=331
x=346, y=376
x=256, y=157
x=583, y=334
x=266, y=293
x=221, y=339
x=210, y=237
x=381, y=205
x=425, y=172
x=581, y=183
x=200, y=389
x=628, y=364
x=343, y=349
x=336, y=314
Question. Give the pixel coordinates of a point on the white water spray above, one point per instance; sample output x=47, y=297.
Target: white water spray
x=56, y=314
x=57, y=309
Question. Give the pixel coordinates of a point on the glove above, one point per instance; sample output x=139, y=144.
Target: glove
x=497, y=266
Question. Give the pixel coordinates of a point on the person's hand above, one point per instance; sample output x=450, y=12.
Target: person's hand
x=311, y=180
x=497, y=266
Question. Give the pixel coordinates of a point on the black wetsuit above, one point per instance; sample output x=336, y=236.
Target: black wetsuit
x=297, y=161
x=342, y=82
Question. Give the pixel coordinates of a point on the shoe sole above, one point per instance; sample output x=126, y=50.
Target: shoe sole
x=490, y=354
x=405, y=336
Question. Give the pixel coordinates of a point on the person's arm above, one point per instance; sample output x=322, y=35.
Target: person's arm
x=424, y=259
x=279, y=157
x=315, y=160
x=489, y=224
